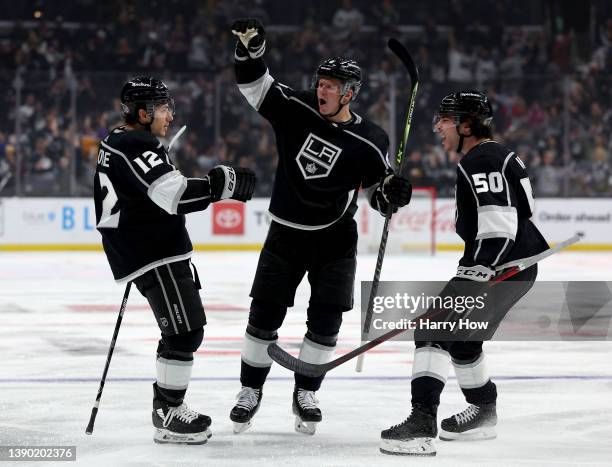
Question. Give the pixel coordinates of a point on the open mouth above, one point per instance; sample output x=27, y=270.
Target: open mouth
x=322, y=101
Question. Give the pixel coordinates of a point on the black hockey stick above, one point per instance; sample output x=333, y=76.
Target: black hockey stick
x=94, y=410
x=314, y=370
x=400, y=51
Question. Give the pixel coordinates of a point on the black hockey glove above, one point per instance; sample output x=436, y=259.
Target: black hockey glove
x=251, y=35
x=231, y=182
x=397, y=190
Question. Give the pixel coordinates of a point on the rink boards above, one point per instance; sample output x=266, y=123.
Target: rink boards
x=69, y=223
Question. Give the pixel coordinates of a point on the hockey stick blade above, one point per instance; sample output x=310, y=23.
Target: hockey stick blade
x=313, y=370
x=288, y=361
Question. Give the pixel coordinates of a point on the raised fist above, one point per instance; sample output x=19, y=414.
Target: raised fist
x=251, y=35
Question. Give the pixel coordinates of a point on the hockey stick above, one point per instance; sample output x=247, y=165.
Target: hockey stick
x=177, y=136
x=94, y=410
x=400, y=51
x=528, y=262
x=314, y=370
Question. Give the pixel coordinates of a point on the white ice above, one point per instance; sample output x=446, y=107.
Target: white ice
x=57, y=315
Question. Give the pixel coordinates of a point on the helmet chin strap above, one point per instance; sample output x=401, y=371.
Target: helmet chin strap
x=461, y=138
x=340, y=107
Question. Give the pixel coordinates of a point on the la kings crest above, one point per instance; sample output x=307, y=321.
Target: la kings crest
x=317, y=157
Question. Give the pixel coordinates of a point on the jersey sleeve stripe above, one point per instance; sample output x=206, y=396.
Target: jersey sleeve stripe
x=370, y=194
x=508, y=157
x=256, y=91
x=167, y=190
x=193, y=200
x=469, y=183
x=499, y=256
x=526, y=184
x=497, y=221
x=129, y=163
x=477, y=249
x=385, y=158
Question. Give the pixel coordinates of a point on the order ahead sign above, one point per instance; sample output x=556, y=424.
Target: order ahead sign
x=558, y=217
x=71, y=222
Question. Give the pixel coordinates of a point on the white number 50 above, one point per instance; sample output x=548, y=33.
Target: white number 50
x=495, y=183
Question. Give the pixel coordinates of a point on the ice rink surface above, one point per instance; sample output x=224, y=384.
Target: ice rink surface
x=58, y=311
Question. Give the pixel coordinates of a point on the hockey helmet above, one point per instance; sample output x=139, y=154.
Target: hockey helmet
x=144, y=92
x=467, y=105
x=346, y=70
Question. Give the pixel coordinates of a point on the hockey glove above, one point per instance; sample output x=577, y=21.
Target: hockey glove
x=228, y=182
x=251, y=35
x=397, y=190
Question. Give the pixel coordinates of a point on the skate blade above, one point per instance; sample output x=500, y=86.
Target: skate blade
x=240, y=427
x=162, y=436
x=477, y=434
x=307, y=428
x=412, y=447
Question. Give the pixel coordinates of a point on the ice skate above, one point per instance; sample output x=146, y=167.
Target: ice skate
x=307, y=413
x=247, y=404
x=179, y=425
x=413, y=437
x=477, y=422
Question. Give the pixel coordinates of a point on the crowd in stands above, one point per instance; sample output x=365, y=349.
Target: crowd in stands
x=551, y=86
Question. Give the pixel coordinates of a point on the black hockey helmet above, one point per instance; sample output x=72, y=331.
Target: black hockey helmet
x=344, y=69
x=470, y=105
x=144, y=92
x=467, y=106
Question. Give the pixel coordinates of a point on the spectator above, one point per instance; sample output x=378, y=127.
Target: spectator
x=548, y=177
x=346, y=20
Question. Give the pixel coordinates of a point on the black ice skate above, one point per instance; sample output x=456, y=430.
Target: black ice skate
x=413, y=437
x=247, y=404
x=307, y=413
x=477, y=422
x=179, y=425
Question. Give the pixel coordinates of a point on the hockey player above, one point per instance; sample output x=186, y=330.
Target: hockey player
x=494, y=204
x=141, y=200
x=326, y=153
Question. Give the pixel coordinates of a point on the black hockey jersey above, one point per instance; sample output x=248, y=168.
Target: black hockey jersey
x=134, y=179
x=494, y=204
x=321, y=164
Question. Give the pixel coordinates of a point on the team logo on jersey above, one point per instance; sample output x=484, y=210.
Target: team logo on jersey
x=317, y=157
x=164, y=322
